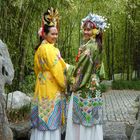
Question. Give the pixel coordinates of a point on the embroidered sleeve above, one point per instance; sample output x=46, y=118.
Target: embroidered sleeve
x=102, y=71
x=85, y=67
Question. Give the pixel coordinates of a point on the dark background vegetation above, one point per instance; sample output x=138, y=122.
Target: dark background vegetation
x=20, y=21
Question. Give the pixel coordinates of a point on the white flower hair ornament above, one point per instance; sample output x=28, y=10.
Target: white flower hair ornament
x=95, y=22
x=40, y=31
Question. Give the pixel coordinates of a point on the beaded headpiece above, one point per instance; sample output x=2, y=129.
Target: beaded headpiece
x=95, y=22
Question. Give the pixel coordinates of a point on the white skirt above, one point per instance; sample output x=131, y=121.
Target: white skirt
x=45, y=135
x=80, y=132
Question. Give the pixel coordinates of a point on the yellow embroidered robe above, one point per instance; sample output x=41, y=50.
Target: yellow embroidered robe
x=48, y=103
x=49, y=68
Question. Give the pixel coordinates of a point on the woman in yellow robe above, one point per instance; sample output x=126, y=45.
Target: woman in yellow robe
x=48, y=102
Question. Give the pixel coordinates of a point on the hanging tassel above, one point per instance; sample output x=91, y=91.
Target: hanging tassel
x=42, y=33
x=77, y=57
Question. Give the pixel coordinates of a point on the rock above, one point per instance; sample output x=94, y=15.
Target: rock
x=17, y=100
x=6, y=67
x=107, y=83
x=129, y=130
x=6, y=76
x=21, y=130
x=5, y=131
x=114, y=131
x=136, y=132
x=133, y=111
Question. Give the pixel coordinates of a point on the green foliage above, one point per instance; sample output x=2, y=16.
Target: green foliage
x=20, y=21
x=126, y=85
x=17, y=115
x=103, y=88
x=28, y=85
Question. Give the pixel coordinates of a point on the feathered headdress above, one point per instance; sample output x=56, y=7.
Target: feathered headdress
x=50, y=18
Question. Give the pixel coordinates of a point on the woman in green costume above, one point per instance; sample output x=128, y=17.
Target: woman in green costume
x=85, y=109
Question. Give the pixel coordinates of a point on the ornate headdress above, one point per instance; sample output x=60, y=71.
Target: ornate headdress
x=95, y=22
x=50, y=18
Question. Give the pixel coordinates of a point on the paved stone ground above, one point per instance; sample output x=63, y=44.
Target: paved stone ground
x=118, y=106
x=119, y=114
x=118, y=111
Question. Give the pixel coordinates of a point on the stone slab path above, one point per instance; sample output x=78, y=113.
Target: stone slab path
x=119, y=114
x=118, y=106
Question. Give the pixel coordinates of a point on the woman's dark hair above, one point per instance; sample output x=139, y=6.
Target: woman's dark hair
x=46, y=31
x=99, y=41
x=40, y=41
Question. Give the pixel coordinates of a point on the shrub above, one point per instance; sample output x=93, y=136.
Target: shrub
x=126, y=85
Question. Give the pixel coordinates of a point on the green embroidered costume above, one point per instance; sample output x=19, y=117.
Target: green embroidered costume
x=87, y=100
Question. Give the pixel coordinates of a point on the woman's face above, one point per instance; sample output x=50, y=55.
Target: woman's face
x=87, y=33
x=52, y=36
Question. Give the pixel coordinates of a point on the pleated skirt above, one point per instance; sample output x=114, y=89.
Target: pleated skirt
x=80, y=132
